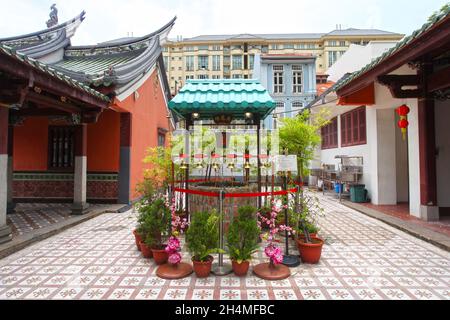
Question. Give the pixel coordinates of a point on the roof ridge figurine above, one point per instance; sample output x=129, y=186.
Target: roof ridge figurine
x=53, y=21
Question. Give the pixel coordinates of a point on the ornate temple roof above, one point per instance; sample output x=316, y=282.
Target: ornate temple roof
x=118, y=64
x=39, y=44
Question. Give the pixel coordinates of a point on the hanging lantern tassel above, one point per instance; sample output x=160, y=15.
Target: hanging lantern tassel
x=403, y=123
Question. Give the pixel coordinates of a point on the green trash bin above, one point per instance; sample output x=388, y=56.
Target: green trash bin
x=358, y=193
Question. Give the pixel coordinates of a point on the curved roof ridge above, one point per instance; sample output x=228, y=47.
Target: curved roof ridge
x=126, y=41
x=49, y=30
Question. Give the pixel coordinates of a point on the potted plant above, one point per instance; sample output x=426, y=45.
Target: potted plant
x=309, y=246
x=202, y=239
x=160, y=219
x=242, y=239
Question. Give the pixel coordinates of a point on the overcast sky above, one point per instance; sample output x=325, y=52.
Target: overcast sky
x=111, y=19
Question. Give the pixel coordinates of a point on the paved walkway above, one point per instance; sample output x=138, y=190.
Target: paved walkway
x=363, y=259
x=28, y=217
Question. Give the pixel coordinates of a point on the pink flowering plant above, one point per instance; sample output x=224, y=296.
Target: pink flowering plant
x=178, y=226
x=269, y=221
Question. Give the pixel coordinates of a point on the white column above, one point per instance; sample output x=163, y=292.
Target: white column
x=80, y=206
x=10, y=204
x=5, y=230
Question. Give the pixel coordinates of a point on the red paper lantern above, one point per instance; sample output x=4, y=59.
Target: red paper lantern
x=403, y=123
x=403, y=110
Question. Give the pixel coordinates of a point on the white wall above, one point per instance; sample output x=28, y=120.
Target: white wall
x=386, y=182
x=401, y=156
x=413, y=158
x=442, y=117
x=356, y=57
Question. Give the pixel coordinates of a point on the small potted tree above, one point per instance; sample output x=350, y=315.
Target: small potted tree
x=202, y=239
x=242, y=239
x=309, y=244
x=158, y=230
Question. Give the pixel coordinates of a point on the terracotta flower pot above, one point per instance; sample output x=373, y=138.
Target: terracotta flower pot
x=160, y=255
x=202, y=268
x=138, y=239
x=310, y=252
x=240, y=269
x=302, y=236
x=146, y=251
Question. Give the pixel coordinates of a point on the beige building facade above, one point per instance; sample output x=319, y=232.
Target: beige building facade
x=232, y=56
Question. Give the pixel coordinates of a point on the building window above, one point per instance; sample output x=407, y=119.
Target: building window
x=161, y=137
x=216, y=48
x=189, y=63
x=202, y=76
x=275, y=47
x=353, y=127
x=166, y=63
x=237, y=76
x=189, y=49
x=216, y=63
x=278, y=83
x=265, y=49
x=251, y=61
x=329, y=135
x=289, y=46
x=189, y=77
x=341, y=43
x=311, y=46
x=203, y=62
x=332, y=43
x=203, y=47
x=61, y=145
x=300, y=46
x=215, y=77
x=297, y=84
x=237, y=62
x=332, y=57
x=297, y=104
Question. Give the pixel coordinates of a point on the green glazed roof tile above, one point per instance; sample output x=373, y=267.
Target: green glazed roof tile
x=51, y=71
x=217, y=96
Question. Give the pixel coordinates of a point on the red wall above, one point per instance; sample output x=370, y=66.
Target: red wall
x=30, y=145
x=148, y=112
x=31, y=139
x=103, y=147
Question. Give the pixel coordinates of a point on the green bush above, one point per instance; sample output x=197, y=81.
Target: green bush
x=243, y=233
x=202, y=237
x=153, y=222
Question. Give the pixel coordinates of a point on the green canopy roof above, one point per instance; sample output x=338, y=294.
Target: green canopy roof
x=222, y=96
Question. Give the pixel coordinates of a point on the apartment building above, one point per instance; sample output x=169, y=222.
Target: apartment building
x=232, y=56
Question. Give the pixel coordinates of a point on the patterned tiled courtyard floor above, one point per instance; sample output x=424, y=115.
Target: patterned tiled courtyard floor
x=32, y=216
x=363, y=259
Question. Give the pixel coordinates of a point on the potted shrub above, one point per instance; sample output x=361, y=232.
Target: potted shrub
x=160, y=219
x=202, y=239
x=309, y=246
x=242, y=239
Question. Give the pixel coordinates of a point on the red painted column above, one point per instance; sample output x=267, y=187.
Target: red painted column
x=5, y=230
x=80, y=206
x=427, y=149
